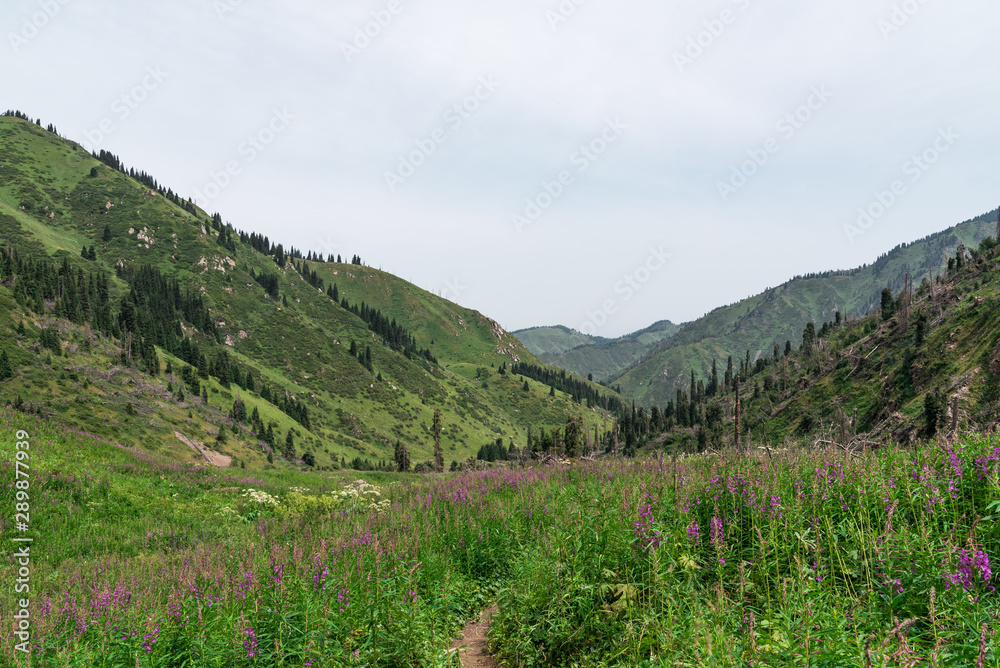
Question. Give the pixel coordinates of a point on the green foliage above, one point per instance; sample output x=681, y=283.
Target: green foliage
x=402, y=457
x=6, y=370
x=50, y=339
x=934, y=410
x=868, y=378
x=611, y=563
x=188, y=296
x=888, y=304
x=780, y=313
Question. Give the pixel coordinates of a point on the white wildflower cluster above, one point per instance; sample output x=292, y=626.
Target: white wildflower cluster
x=298, y=490
x=258, y=496
x=226, y=511
x=362, y=495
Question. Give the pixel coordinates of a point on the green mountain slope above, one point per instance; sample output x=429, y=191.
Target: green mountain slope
x=292, y=339
x=593, y=355
x=778, y=315
x=896, y=374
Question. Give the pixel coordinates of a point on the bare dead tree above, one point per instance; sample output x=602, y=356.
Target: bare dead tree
x=127, y=346
x=904, y=303
x=737, y=414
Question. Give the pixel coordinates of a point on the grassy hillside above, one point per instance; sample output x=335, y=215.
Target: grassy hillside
x=56, y=199
x=593, y=355
x=778, y=315
x=898, y=374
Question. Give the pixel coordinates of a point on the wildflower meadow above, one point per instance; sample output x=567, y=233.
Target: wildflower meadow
x=797, y=557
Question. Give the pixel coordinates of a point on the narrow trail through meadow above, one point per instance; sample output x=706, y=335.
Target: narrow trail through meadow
x=473, y=642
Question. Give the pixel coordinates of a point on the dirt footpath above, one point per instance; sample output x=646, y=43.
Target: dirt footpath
x=472, y=645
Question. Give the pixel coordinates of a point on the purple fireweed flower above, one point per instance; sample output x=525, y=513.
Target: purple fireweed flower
x=250, y=642
x=694, y=533
x=150, y=638
x=643, y=529
x=717, y=535
x=956, y=463
x=319, y=573
x=973, y=568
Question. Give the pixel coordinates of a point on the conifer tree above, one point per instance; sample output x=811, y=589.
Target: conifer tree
x=289, y=449
x=6, y=371
x=888, y=304
x=934, y=408
x=107, y=233
x=921, y=328
x=808, y=338
x=402, y=457
x=438, y=452
x=573, y=433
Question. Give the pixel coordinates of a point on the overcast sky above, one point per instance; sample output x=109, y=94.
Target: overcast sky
x=596, y=164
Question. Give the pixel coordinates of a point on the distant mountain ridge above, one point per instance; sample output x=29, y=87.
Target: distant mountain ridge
x=925, y=364
x=650, y=371
x=780, y=314
x=594, y=356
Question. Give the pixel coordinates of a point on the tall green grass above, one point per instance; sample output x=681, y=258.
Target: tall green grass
x=793, y=558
